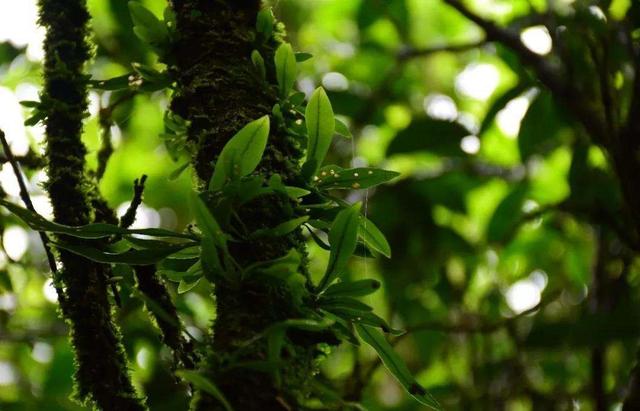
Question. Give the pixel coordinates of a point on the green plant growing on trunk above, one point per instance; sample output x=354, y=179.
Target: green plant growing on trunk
x=257, y=149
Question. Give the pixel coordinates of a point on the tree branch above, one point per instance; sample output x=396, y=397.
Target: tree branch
x=549, y=75
x=26, y=199
x=407, y=53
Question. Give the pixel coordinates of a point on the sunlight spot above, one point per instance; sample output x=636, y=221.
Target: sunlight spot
x=537, y=39
x=307, y=86
x=143, y=358
x=49, y=291
x=43, y=206
x=94, y=103
x=335, y=81
x=440, y=106
x=7, y=373
x=478, y=81
x=42, y=352
x=539, y=278
x=18, y=21
x=510, y=117
x=522, y=296
x=8, y=180
x=15, y=241
x=597, y=13
x=11, y=122
x=526, y=293
x=146, y=217
x=8, y=302
x=470, y=144
x=35, y=49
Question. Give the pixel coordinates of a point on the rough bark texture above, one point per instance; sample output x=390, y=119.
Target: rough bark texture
x=218, y=92
x=164, y=312
x=102, y=374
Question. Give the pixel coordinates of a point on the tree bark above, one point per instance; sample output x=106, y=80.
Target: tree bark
x=218, y=92
x=102, y=375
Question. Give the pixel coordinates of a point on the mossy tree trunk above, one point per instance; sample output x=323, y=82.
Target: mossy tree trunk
x=218, y=92
x=102, y=374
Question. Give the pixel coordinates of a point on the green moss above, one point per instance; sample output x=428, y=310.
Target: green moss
x=218, y=92
x=102, y=376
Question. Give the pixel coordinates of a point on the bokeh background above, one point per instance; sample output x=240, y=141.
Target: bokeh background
x=477, y=222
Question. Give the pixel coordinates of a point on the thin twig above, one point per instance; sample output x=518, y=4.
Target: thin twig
x=26, y=199
x=410, y=52
x=106, y=121
x=130, y=215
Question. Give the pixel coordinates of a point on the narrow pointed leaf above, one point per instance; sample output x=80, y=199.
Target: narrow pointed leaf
x=396, y=366
x=342, y=129
x=205, y=384
x=358, y=288
x=374, y=238
x=328, y=303
x=207, y=222
x=336, y=178
x=320, y=126
x=90, y=231
x=281, y=229
x=343, y=237
x=131, y=257
x=285, y=61
x=242, y=154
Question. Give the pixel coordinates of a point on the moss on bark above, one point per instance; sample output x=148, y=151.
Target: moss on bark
x=218, y=92
x=102, y=374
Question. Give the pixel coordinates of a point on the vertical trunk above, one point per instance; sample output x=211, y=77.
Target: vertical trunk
x=102, y=374
x=218, y=92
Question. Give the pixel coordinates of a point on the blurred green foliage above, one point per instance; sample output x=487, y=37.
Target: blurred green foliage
x=503, y=205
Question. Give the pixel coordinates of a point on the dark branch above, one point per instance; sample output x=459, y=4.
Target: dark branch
x=26, y=199
x=410, y=52
x=130, y=215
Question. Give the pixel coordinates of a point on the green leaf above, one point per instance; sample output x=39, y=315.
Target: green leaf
x=396, y=366
x=432, y=135
x=207, y=222
x=205, y=384
x=500, y=103
x=175, y=174
x=281, y=268
x=358, y=288
x=242, y=154
x=342, y=129
x=276, y=333
x=281, y=229
x=507, y=215
x=373, y=238
x=285, y=62
x=30, y=103
x=343, y=237
x=188, y=283
x=258, y=62
x=131, y=257
x=373, y=320
x=320, y=126
x=264, y=23
x=91, y=231
x=540, y=129
x=296, y=192
x=337, y=178
x=301, y=56
x=148, y=27
x=329, y=303
x=115, y=83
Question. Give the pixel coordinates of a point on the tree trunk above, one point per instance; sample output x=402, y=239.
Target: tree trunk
x=218, y=92
x=102, y=374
